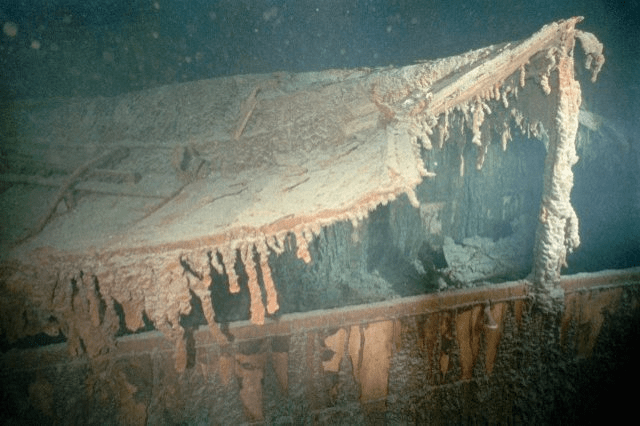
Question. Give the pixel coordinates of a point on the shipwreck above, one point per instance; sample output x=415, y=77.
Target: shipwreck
x=194, y=225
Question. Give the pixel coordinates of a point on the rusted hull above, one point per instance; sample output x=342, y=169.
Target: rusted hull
x=437, y=358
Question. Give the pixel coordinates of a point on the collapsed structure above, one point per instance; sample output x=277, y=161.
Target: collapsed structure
x=218, y=176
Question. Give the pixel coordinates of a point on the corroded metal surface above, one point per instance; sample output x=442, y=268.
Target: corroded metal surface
x=352, y=364
x=183, y=182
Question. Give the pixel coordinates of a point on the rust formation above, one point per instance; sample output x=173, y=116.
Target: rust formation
x=286, y=156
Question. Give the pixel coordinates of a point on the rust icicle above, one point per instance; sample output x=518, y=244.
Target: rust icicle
x=557, y=233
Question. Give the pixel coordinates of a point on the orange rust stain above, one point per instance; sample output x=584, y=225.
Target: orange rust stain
x=250, y=371
x=586, y=311
x=446, y=336
x=281, y=366
x=445, y=325
x=571, y=300
x=397, y=334
x=492, y=336
x=431, y=332
x=355, y=346
x=376, y=357
x=468, y=331
x=444, y=363
x=226, y=366
x=335, y=342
